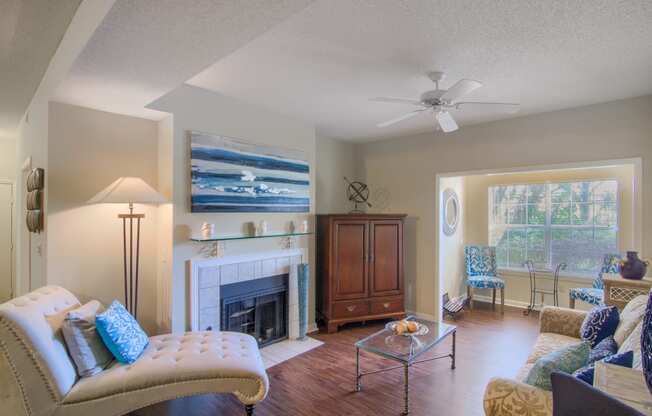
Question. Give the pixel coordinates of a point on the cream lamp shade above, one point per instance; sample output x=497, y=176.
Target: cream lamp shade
x=128, y=190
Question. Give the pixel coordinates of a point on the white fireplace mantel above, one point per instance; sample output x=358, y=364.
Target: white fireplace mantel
x=207, y=275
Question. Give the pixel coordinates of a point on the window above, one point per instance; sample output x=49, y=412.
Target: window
x=575, y=223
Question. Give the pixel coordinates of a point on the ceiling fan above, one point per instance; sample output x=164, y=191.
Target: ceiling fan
x=440, y=101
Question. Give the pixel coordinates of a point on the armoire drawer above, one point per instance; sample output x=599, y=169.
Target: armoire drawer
x=350, y=309
x=387, y=305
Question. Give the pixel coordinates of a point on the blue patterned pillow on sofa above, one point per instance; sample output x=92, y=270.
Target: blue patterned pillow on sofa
x=587, y=373
x=121, y=333
x=603, y=349
x=599, y=323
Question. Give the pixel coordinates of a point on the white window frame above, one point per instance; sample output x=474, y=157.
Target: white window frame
x=548, y=226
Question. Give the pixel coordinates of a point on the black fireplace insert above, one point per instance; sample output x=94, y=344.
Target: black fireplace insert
x=256, y=307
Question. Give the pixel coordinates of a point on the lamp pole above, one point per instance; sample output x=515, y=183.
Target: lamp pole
x=131, y=276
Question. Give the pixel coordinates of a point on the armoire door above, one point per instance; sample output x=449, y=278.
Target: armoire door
x=385, y=257
x=350, y=245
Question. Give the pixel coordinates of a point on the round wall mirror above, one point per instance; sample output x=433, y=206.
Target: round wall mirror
x=451, y=211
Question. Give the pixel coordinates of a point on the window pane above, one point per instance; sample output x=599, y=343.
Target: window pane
x=517, y=238
x=536, y=194
x=516, y=214
x=560, y=214
x=500, y=214
x=605, y=191
x=536, y=214
x=581, y=191
x=582, y=213
x=608, y=238
x=515, y=193
x=606, y=213
x=560, y=192
x=536, y=239
x=538, y=258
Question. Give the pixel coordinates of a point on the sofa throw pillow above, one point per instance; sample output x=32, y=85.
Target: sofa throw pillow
x=630, y=316
x=587, y=373
x=605, y=348
x=121, y=333
x=599, y=323
x=633, y=343
x=566, y=360
x=85, y=346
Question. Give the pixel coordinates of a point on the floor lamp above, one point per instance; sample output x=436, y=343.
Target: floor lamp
x=129, y=190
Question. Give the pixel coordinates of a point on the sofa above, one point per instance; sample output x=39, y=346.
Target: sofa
x=38, y=377
x=558, y=327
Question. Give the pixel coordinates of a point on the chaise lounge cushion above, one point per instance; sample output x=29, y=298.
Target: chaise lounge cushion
x=211, y=360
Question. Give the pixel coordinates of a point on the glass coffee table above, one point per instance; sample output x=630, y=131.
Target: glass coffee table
x=404, y=349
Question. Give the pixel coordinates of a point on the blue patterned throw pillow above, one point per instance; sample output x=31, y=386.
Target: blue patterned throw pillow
x=121, y=333
x=586, y=374
x=566, y=360
x=603, y=349
x=599, y=323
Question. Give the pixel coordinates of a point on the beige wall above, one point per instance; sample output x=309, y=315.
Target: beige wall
x=7, y=158
x=335, y=160
x=202, y=110
x=407, y=167
x=476, y=217
x=451, y=247
x=32, y=139
x=88, y=150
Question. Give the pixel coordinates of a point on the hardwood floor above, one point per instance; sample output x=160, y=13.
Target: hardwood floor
x=320, y=382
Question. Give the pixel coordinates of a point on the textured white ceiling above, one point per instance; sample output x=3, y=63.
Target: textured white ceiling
x=30, y=32
x=145, y=48
x=322, y=64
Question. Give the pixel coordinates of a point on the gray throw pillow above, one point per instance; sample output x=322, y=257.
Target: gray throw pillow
x=85, y=346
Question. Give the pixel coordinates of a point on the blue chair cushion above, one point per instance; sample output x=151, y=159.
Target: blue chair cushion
x=485, y=282
x=121, y=333
x=587, y=294
x=599, y=323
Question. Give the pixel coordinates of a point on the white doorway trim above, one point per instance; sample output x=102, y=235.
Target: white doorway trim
x=23, y=238
x=637, y=200
x=12, y=225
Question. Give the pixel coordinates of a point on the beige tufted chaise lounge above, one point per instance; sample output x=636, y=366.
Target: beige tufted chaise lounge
x=37, y=377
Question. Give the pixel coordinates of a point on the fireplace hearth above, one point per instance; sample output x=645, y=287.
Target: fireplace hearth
x=256, y=307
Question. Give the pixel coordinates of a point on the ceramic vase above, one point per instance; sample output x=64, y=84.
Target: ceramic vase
x=303, y=283
x=633, y=267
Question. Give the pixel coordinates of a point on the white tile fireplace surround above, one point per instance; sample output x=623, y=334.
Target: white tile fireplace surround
x=207, y=275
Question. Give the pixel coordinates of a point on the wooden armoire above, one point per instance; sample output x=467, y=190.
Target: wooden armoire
x=359, y=268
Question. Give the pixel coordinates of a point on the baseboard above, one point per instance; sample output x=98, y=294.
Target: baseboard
x=508, y=302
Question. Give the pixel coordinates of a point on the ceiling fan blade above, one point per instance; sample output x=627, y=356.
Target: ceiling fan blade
x=401, y=118
x=446, y=121
x=510, y=107
x=460, y=89
x=395, y=100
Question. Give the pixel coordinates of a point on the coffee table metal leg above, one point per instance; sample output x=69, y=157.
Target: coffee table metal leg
x=453, y=355
x=358, y=385
x=406, y=368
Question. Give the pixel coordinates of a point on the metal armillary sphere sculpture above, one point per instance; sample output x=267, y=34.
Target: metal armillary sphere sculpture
x=358, y=193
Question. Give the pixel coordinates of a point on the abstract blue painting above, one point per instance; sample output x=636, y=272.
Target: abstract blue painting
x=229, y=175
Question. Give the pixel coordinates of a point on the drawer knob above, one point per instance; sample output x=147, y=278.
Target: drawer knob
x=386, y=305
x=350, y=308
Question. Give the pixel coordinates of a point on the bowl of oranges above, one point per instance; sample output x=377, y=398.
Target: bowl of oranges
x=407, y=328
